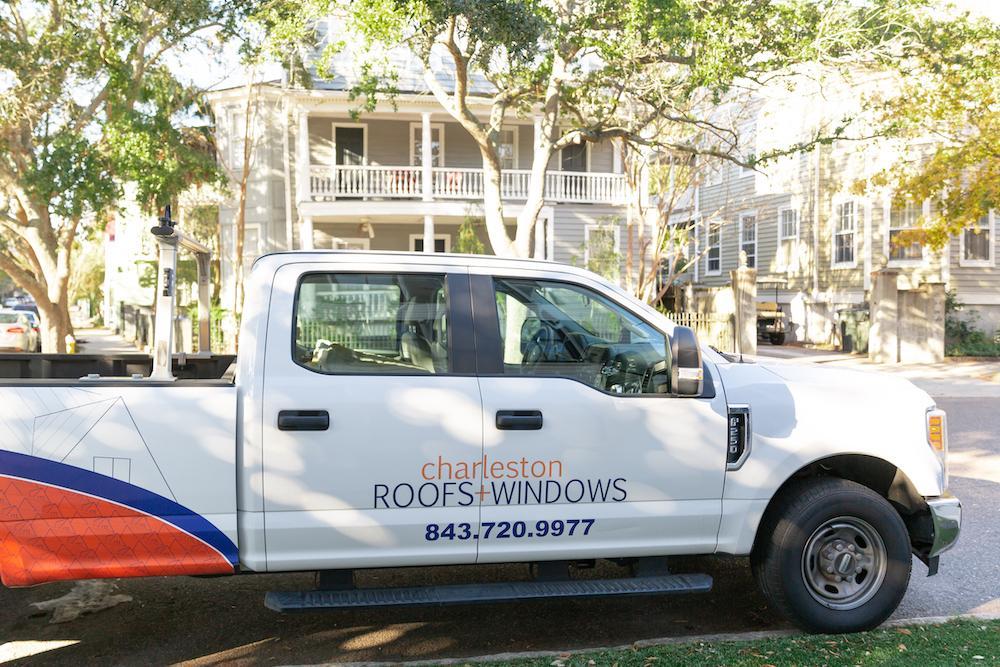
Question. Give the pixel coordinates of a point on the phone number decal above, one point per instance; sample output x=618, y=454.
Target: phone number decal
x=499, y=530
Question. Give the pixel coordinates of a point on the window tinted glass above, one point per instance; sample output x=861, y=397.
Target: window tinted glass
x=551, y=328
x=372, y=323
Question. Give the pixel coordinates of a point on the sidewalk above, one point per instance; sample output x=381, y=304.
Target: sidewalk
x=102, y=341
x=957, y=378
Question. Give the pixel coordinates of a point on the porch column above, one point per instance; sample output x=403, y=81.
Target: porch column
x=428, y=233
x=306, y=234
x=426, y=157
x=302, y=158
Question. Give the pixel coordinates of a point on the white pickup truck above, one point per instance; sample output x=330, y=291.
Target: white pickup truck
x=393, y=410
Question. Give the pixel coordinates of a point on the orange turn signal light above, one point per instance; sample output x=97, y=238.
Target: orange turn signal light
x=935, y=432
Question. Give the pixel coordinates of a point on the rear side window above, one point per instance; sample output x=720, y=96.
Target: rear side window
x=372, y=323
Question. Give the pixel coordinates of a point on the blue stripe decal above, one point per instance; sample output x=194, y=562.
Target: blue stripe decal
x=108, y=488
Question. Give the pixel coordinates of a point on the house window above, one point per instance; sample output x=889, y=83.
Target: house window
x=978, y=243
x=237, y=140
x=748, y=139
x=357, y=243
x=508, y=148
x=574, y=157
x=713, y=248
x=748, y=238
x=442, y=243
x=417, y=146
x=601, y=250
x=844, y=231
x=251, y=246
x=903, y=224
x=788, y=237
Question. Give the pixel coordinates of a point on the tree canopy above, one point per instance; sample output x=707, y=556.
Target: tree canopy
x=641, y=72
x=948, y=109
x=87, y=103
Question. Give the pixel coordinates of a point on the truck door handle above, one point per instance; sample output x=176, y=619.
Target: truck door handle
x=303, y=420
x=519, y=420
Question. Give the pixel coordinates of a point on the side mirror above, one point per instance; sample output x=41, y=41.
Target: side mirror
x=686, y=374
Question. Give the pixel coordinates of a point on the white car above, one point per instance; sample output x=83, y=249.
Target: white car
x=36, y=329
x=17, y=331
x=393, y=410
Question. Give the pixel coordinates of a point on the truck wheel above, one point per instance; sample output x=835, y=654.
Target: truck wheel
x=777, y=339
x=832, y=556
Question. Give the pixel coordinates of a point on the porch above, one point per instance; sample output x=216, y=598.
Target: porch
x=330, y=182
x=425, y=156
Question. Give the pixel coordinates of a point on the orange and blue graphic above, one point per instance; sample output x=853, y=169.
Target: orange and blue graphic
x=59, y=522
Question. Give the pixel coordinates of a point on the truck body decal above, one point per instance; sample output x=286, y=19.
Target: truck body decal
x=59, y=521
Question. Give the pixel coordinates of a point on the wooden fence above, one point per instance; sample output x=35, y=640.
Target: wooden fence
x=719, y=331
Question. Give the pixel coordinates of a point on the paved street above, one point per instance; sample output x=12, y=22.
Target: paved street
x=210, y=621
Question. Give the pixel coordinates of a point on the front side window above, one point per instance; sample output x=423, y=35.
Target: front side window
x=713, y=248
x=362, y=323
x=976, y=241
x=559, y=329
x=748, y=238
x=903, y=226
x=843, y=236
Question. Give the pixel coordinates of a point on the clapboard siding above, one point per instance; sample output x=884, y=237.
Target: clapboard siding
x=570, y=223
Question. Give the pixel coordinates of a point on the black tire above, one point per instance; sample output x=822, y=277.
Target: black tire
x=777, y=339
x=793, y=523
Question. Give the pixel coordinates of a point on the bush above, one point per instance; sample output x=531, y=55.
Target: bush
x=962, y=337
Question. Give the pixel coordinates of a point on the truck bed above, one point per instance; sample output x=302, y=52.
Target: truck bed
x=114, y=478
x=15, y=366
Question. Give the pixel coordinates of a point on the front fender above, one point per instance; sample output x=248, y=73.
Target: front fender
x=803, y=414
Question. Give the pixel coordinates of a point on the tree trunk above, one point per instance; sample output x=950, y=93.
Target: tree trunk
x=493, y=208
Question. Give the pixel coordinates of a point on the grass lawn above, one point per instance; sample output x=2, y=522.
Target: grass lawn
x=954, y=643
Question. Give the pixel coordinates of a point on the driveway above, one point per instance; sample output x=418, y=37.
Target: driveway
x=210, y=621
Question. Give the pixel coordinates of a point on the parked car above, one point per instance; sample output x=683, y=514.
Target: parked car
x=771, y=324
x=36, y=328
x=392, y=410
x=17, y=332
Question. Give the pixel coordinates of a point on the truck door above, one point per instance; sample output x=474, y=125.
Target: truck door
x=372, y=418
x=585, y=452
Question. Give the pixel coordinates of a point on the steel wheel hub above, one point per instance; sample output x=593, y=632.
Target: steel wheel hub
x=844, y=563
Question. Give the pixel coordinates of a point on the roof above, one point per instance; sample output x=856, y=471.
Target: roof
x=409, y=70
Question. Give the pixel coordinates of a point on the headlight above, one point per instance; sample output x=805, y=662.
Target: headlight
x=937, y=438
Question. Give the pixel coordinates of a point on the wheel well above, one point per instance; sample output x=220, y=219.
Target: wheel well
x=877, y=474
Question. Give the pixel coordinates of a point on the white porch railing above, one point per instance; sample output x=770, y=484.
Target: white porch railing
x=328, y=183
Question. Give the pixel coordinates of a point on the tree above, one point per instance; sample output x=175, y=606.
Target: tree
x=949, y=104
x=594, y=70
x=240, y=173
x=87, y=103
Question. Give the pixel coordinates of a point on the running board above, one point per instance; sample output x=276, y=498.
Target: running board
x=493, y=592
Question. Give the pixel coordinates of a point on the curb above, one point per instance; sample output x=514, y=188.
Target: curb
x=661, y=641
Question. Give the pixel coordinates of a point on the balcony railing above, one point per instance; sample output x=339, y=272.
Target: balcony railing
x=390, y=182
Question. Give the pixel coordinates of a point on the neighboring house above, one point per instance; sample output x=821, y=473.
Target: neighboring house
x=815, y=241
x=403, y=177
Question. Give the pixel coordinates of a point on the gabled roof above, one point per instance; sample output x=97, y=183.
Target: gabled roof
x=408, y=69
